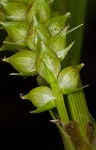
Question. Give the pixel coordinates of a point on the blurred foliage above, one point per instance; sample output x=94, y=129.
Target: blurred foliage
x=78, y=13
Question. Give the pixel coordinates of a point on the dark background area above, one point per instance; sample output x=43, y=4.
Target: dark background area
x=88, y=56
x=21, y=129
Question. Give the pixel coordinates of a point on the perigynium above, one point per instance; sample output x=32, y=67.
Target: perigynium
x=38, y=37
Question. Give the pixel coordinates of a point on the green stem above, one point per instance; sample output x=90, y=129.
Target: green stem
x=68, y=145
x=78, y=111
x=59, y=102
x=77, y=107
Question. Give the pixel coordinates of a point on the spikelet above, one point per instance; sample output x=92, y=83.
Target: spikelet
x=37, y=35
x=28, y=23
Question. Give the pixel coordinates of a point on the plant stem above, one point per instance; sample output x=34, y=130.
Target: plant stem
x=79, y=111
x=68, y=145
x=59, y=102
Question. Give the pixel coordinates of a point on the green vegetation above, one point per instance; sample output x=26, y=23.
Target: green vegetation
x=39, y=35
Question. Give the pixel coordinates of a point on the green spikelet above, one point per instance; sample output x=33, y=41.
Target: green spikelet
x=41, y=10
x=28, y=22
x=14, y=11
x=17, y=31
x=23, y=62
x=38, y=37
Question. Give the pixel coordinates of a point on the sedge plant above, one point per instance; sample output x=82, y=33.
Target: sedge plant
x=37, y=35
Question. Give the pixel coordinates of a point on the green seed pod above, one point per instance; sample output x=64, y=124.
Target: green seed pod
x=62, y=53
x=55, y=24
x=33, y=39
x=17, y=31
x=14, y=11
x=26, y=2
x=58, y=41
x=42, y=98
x=7, y=46
x=48, y=64
x=69, y=79
x=38, y=32
x=23, y=62
x=2, y=16
x=19, y=1
x=41, y=10
x=41, y=81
